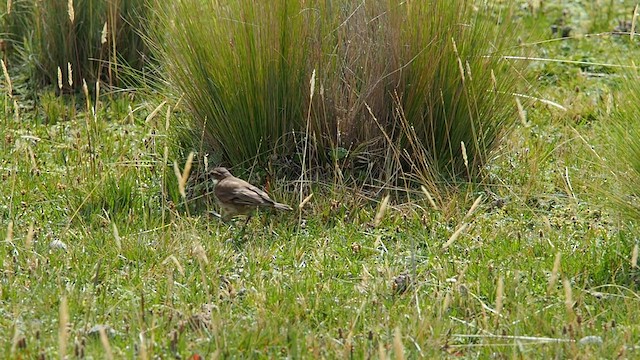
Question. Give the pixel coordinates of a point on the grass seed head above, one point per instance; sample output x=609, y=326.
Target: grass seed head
x=380, y=214
x=7, y=79
x=554, y=273
x=70, y=11
x=568, y=298
x=429, y=197
x=69, y=74
x=9, y=237
x=103, y=34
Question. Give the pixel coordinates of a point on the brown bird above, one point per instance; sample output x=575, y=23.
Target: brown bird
x=238, y=197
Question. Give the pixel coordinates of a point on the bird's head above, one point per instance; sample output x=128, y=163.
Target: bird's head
x=220, y=173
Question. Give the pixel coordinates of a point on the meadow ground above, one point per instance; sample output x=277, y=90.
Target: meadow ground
x=533, y=262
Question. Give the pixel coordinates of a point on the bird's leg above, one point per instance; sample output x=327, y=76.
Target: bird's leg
x=241, y=235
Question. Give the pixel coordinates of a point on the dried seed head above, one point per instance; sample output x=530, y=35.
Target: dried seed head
x=312, y=83
x=554, y=273
x=59, y=78
x=455, y=235
x=7, y=78
x=72, y=14
x=429, y=197
x=69, y=74
x=103, y=36
x=521, y=113
x=464, y=155
x=499, y=297
x=9, y=237
x=568, y=297
x=380, y=214
x=473, y=207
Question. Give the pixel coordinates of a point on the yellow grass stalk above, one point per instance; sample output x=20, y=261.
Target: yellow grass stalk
x=95, y=108
x=312, y=87
x=429, y=197
x=521, y=113
x=14, y=343
x=85, y=90
x=176, y=170
x=200, y=253
x=464, y=155
x=9, y=5
x=398, y=348
x=382, y=352
x=634, y=257
x=143, y=347
x=72, y=14
x=16, y=111
x=187, y=168
x=59, y=78
x=568, y=298
x=103, y=35
x=28, y=241
x=7, y=79
x=554, y=273
x=155, y=112
x=499, y=298
x=174, y=260
x=69, y=74
x=9, y=237
x=312, y=84
x=473, y=208
x=305, y=201
x=460, y=67
x=108, y=353
x=380, y=214
x=62, y=328
x=116, y=237
x=455, y=235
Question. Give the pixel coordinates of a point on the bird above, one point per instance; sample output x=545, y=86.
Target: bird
x=237, y=197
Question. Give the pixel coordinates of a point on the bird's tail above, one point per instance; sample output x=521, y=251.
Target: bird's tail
x=282, y=207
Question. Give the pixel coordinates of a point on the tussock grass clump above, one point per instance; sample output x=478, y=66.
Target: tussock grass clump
x=16, y=21
x=621, y=149
x=93, y=37
x=398, y=85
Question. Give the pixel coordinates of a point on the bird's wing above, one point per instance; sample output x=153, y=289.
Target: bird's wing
x=239, y=192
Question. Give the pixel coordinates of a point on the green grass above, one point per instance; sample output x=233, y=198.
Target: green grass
x=268, y=83
x=170, y=283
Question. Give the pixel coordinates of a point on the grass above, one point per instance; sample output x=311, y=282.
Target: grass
x=417, y=76
x=541, y=270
